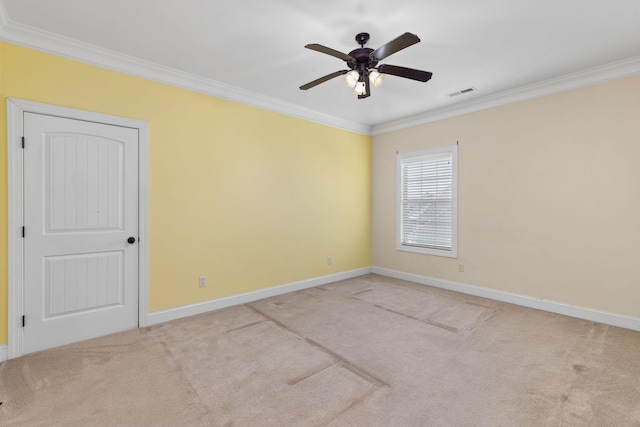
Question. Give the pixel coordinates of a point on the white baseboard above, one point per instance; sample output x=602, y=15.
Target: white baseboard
x=4, y=353
x=539, y=304
x=216, y=304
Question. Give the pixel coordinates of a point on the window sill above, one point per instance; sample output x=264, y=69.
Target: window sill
x=428, y=251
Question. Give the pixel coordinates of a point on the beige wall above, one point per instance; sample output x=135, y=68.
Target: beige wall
x=549, y=198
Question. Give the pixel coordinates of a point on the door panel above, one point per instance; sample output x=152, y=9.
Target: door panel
x=81, y=205
x=76, y=283
x=84, y=176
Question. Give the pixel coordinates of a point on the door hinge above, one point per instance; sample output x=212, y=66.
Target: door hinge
x=23, y=232
x=23, y=142
x=23, y=321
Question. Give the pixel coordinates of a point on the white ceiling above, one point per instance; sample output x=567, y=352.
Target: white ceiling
x=254, y=49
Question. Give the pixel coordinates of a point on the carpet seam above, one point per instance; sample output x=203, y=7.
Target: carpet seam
x=210, y=414
x=453, y=329
x=239, y=328
x=428, y=322
x=361, y=400
x=306, y=377
x=347, y=364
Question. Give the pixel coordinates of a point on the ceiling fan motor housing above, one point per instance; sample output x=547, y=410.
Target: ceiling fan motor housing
x=362, y=55
x=363, y=60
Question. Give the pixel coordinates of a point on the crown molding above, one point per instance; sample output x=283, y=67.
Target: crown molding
x=600, y=74
x=34, y=38
x=4, y=17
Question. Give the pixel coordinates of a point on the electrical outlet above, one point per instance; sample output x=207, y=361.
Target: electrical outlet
x=460, y=268
x=203, y=281
x=329, y=260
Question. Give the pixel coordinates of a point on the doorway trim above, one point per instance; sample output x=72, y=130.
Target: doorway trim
x=15, y=113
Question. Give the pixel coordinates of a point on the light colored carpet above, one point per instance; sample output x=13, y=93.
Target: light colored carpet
x=370, y=351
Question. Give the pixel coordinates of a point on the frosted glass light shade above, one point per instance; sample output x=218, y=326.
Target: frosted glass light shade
x=360, y=89
x=351, y=78
x=376, y=78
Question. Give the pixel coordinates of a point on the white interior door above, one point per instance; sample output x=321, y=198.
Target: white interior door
x=80, y=211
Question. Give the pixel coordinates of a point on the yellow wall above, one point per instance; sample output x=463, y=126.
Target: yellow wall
x=549, y=199
x=249, y=198
x=4, y=209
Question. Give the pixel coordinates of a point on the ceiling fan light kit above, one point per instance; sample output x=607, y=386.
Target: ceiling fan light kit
x=363, y=63
x=351, y=78
x=376, y=78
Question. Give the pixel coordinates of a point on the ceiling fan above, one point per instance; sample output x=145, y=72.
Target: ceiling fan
x=363, y=61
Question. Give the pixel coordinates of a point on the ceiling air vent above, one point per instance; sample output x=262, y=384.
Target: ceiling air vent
x=460, y=92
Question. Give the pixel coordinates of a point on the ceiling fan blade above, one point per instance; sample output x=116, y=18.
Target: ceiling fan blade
x=323, y=79
x=408, y=73
x=399, y=43
x=323, y=49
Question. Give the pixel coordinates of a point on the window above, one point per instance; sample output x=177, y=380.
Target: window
x=427, y=201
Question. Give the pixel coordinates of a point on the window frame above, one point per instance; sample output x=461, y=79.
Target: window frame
x=402, y=158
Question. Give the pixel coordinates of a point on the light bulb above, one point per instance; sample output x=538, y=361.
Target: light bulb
x=360, y=89
x=376, y=78
x=351, y=78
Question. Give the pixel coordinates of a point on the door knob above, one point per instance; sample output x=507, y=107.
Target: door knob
x=131, y=240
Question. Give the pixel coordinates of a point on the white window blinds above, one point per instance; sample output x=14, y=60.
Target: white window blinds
x=427, y=201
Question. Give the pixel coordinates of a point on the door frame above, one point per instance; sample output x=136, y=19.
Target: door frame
x=15, y=117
